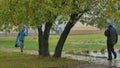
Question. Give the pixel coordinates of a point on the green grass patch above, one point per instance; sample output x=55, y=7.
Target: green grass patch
x=74, y=42
x=20, y=60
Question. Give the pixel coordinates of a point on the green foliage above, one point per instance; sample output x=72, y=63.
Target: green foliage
x=118, y=28
x=99, y=12
x=35, y=12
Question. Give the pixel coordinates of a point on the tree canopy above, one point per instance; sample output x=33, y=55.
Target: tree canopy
x=36, y=12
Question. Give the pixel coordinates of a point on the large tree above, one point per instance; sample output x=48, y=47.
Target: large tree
x=34, y=13
x=96, y=11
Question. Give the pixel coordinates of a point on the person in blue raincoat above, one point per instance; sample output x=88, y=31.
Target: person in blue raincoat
x=20, y=39
x=112, y=38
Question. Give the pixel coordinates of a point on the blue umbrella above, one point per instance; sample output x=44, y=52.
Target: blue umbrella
x=112, y=23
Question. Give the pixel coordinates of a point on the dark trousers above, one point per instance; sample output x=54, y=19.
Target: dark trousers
x=110, y=49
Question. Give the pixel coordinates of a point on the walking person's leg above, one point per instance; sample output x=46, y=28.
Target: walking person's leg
x=113, y=51
x=109, y=52
x=22, y=45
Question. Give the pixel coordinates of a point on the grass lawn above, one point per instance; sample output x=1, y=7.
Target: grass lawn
x=74, y=42
x=20, y=60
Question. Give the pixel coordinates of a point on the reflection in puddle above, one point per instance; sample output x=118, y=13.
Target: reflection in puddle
x=114, y=63
x=97, y=57
x=98, y=54
x=102, y=54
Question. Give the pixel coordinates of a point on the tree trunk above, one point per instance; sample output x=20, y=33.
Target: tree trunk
x=63, y=37
x=45, y=39
x=62, y=40
x=40, y=40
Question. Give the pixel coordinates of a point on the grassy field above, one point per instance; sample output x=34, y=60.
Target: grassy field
x=75, y=42
x=20, y=60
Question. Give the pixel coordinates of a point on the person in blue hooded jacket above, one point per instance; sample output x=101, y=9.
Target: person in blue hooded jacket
x=112, y=38
x=20, y=39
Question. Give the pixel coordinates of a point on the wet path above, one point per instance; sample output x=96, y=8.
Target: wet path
x=93, y=61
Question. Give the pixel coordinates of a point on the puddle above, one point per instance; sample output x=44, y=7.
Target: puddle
x=102, y=54
x=97, y=57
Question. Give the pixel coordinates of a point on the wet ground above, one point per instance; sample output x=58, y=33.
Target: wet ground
x=93, y=60
x=103, y=54
x=99, y=57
